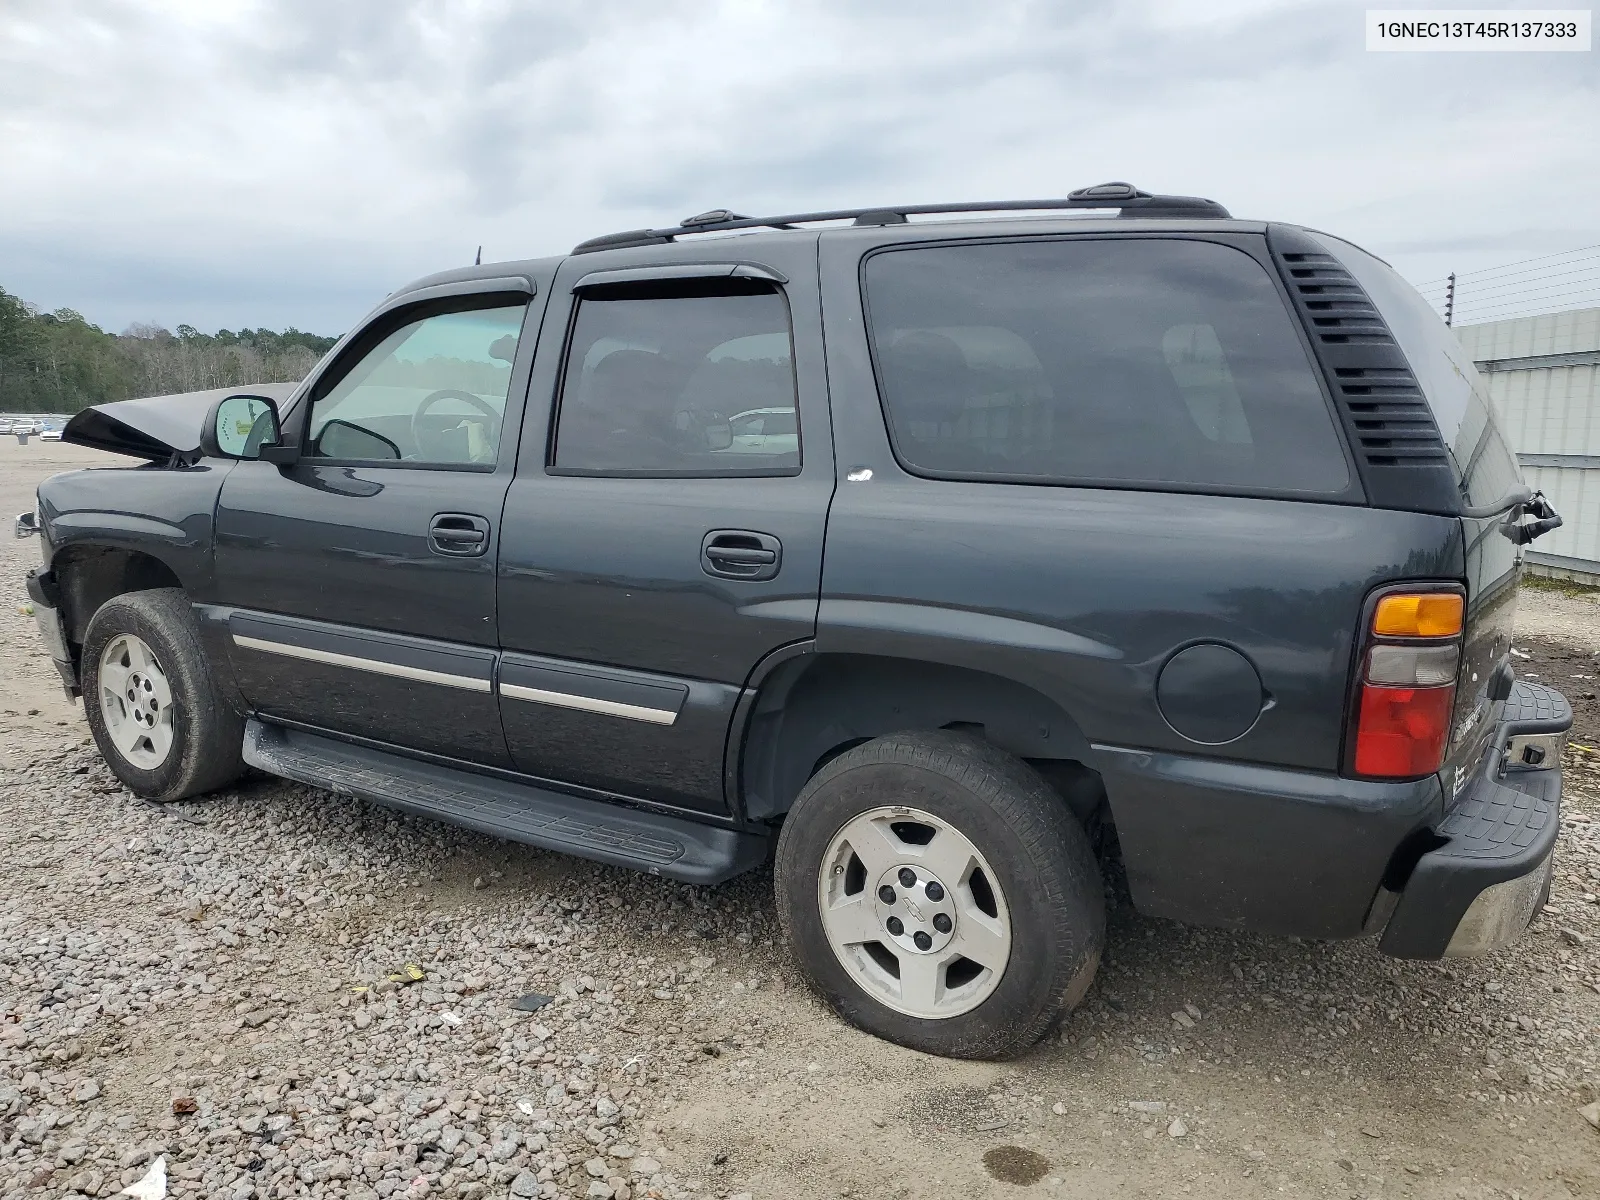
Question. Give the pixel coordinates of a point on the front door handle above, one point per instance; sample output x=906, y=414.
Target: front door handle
x=458, y=535
x=740, y=554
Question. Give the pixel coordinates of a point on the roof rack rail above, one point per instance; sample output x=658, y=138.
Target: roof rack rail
x=1124, y=196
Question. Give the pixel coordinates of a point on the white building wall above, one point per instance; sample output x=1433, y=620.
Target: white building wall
x=1550, y=410
x=1551, y=333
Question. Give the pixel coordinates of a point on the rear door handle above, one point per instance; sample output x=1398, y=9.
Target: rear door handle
x=740, y=554
x=458, y=535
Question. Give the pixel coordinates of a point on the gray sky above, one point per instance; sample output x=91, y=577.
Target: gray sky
x=288, y=163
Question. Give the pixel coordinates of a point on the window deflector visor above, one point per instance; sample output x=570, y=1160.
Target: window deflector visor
x=671, y=271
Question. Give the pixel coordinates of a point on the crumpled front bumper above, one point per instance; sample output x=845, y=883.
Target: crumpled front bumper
x=47, y=613
x=1483, y=885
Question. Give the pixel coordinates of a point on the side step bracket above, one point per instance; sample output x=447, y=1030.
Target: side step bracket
x=626, y=837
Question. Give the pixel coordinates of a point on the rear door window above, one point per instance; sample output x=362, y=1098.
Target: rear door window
x=1148, y=362
x=698, y=383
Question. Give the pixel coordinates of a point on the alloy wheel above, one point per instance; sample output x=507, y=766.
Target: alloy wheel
x=136, y=701
x=914, y=912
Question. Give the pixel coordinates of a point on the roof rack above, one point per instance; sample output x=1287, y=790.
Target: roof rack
x=1124, y=196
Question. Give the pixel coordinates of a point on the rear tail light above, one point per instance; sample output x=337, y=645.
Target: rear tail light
x=1409, y=662
x=1418, y=614
x=1408, y=666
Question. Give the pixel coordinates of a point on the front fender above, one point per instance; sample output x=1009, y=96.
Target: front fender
x=165, y=514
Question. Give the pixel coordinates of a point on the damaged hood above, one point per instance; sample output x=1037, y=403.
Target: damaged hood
x=157, y=427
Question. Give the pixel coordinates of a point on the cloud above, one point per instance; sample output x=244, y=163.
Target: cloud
x=291, y=162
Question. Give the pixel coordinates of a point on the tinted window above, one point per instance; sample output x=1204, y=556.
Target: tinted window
x=432, y=392
x=680, y=385
x=1128, y=361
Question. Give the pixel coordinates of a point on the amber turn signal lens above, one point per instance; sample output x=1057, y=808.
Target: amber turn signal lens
x=1429, y=615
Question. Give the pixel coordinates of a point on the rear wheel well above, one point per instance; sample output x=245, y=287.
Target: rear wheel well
x=88, y=576
x=814, y=708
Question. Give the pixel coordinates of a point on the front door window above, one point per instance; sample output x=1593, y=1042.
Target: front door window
x=431, y=393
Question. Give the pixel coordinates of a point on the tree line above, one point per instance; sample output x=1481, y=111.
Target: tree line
x=59, y=362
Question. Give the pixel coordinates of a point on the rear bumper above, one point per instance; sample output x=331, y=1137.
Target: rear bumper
x=1480, y=889
x=1243, y=846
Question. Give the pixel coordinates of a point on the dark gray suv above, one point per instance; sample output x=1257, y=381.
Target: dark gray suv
x=942, y=559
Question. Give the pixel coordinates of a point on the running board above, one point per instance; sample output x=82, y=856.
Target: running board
x=625, y=837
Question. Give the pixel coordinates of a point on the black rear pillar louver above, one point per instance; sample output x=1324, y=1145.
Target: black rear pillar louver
x=1399, y=453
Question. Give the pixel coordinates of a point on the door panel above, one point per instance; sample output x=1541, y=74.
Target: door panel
x=359, y=596
x=422, y=694
x=605, y=573
x=630, y=732
x=609, y=572
x=627, y=600
x=338, y=561
x=350, y=545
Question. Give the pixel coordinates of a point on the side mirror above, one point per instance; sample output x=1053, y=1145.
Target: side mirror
x=240, y=427
x=342, y=440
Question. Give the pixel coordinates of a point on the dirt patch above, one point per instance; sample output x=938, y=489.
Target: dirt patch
x=1014, y=1164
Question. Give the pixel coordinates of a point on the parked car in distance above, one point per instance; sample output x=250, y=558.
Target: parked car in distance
x=50, y=435
x=938, y=559
x=765, y=431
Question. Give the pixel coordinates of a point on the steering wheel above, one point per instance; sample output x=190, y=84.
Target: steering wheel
x=433, y=398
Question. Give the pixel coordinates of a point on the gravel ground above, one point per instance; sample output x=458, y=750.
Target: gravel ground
x=282, y=993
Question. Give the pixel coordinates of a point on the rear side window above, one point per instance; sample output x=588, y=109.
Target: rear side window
x=687, y=384
x=1144, y=362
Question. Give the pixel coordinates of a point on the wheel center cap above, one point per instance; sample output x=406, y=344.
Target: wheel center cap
x=141, y=704
x=914, y=909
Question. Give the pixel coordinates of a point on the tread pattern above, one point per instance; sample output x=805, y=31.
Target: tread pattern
x=1535, y=704
x=1496, y=821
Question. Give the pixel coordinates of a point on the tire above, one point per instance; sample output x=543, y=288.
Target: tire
x=194, y=737
x=1045, y=891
